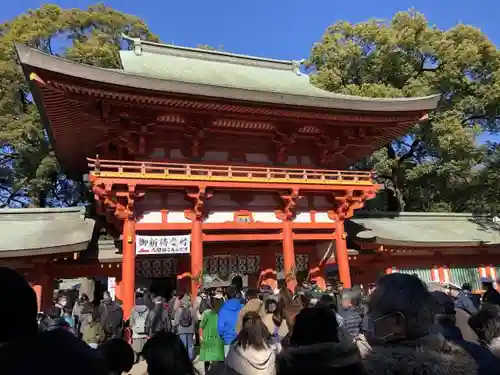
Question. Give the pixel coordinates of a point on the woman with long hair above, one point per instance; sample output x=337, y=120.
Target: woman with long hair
x=252, y=352
x=275, y=321
x=166, y=354
x=211, y=345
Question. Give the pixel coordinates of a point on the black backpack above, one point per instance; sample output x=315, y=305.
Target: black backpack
x=186, y=318
x=113, y=318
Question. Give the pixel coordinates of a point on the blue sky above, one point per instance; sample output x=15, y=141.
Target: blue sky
x=282, y=29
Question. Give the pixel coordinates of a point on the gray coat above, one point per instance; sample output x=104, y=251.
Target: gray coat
x=185, y=303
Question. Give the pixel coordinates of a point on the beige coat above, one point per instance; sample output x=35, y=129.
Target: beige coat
x=254, y=305
x=268, y=321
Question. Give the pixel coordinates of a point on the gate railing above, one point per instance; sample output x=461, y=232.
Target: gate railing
x=230, y=173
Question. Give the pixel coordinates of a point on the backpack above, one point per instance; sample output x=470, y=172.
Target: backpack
x=140, y=321
x=112, y=321
x=186, y=319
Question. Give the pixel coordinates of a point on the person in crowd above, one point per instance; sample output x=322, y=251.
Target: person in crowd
x=24, y=350
x=237, y=282
x=88, y=312
x=185, y=322
x=76, y=313
x=53, y=320
x=118, y=354
x=93, y=333
x=303, y=299
x=69, y=318
x=110, y=317
x=17, y=293
x=165, y=354
x=402, y=314
x=475, y=298
x=445, y=317
x=252, y=352
x=491, y=295
x=486, y=324
x=138, y=319
x=253, y=304
x=350, y=314
x=317, y=347
x=211, y=345
x=61, y=303
x=228, y=316
x=329, y=301
x=158, y=318
x=274, y=321
x=219, y=293
x=462, y=301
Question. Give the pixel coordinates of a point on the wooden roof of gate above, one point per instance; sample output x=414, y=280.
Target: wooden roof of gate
x=170, y=80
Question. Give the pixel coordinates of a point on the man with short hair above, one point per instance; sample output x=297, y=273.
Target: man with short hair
x=111, y=317
x=402, y=314
x=491, y=295
x=350, y=314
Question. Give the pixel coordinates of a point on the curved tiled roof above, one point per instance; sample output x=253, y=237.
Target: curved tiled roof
x=44, y=231
x=425, y=229
x=243, y=78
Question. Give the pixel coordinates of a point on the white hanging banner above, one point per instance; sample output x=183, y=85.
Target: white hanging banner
x=150, y=245
x=112, y=287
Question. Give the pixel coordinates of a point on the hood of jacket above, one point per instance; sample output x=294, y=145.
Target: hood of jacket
x=318, y=358
x=250, y=361
x=431, y=354
x=255, y=305
x=186, y=301
x=141, y=309
x=232, y=304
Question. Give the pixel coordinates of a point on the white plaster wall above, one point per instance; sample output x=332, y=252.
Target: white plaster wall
x=302, y=217
x=322, y=217
x=265, y=217
x=176, y=217
x=151, y=217
x=219, y=217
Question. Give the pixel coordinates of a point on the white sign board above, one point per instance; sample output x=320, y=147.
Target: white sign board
x=150, y=245
x=112, y=287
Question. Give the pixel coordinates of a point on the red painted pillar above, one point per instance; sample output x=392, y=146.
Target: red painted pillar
x=288, y=255
x=43, y=287
x=127, y=285
x=341, y=254
x=196, y=256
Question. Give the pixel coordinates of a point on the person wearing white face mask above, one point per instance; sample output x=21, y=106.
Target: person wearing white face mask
x=401, y=311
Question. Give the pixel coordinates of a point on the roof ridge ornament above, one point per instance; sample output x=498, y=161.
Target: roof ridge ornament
x=136, y=44
x=296, y=67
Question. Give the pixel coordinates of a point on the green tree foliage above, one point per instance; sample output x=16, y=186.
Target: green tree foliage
x=29, y=173
x=438, y=165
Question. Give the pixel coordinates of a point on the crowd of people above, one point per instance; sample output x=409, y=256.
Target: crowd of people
x=401, y=326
